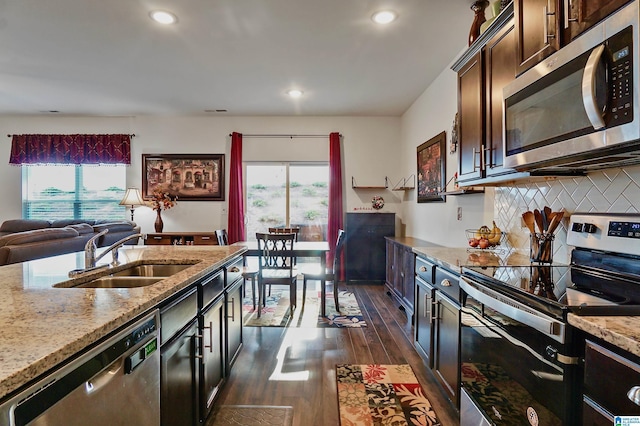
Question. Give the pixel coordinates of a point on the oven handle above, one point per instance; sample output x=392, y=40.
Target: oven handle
x=589, y=88
x=515, y=310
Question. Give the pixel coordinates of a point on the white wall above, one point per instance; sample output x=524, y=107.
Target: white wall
x=370, y=152
x=432, y=113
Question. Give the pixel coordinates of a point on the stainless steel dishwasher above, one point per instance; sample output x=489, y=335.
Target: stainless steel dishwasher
x=116, y=382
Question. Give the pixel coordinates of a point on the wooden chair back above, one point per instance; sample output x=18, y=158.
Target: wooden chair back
x=275, y=252
x=223, y=238
x=294, y=230
x=338, y=254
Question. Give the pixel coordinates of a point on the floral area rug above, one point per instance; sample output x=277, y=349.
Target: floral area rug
x=372, y=395
x=277, y=312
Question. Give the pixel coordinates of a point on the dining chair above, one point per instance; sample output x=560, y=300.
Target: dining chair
x=248, y=274
x=332, y=273
x=222, y=236
x=276, y=265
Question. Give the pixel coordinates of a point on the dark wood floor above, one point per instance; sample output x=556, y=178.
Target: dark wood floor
x=296, y=366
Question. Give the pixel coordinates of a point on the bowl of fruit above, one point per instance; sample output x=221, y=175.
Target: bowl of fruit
x=484, y=237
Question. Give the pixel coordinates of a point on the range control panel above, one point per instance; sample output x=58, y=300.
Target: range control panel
x=619, y=233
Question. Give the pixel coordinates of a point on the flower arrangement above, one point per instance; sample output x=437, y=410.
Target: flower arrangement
x=161, y=199
x=377, y=202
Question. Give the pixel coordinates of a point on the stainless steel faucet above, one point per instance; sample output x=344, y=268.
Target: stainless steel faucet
x=90, y=248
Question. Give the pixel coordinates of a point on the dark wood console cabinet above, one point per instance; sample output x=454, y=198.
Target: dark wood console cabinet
x=365, y=246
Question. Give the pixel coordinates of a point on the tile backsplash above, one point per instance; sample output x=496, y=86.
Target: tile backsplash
x=611, y=190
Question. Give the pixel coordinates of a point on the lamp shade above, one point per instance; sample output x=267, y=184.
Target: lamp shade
x=132, y=198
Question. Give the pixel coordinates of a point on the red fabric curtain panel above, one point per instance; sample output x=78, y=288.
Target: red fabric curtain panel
x=236, y=231
x=335, y=194
x=71, y=149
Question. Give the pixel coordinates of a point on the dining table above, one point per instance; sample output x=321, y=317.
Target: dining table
x=310, y=249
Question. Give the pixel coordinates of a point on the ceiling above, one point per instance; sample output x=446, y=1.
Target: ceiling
x=108, y=58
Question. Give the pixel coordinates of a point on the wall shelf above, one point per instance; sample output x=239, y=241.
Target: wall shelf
x=354, y=185
x=405, y=184
x=463, y=191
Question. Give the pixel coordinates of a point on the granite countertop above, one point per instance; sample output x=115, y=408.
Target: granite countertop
x=42, y=325
x=620, y=331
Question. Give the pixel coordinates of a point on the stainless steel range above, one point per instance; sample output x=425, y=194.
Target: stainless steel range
x=521, y=360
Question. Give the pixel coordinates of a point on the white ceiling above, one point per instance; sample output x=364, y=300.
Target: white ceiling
x=107, y=58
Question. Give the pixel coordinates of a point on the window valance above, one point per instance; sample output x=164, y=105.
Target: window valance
x=71, y=149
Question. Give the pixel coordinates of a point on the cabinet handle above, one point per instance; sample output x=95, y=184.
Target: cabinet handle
x=210, y=345
x=234, y=269
x=445, y=283
x=423, y=269
x=634, y=395
x=545, y=24
x=567, y=11
x=198, y=336
x=233, y=309
x=479, y=154
x=487, y=154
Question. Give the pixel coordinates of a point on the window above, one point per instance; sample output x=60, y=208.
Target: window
x=73, y=192
x=287, y=194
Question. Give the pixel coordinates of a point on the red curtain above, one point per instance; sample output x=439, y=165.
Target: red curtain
x=335, y=194
x=236, y=229
x=70, y=149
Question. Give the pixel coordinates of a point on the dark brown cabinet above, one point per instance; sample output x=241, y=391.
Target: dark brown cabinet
x=537, y=25
x=437, y=325
x=482, y=75
x=609, y=376
x=401, y=262
x=580, y=15
x=365, y=246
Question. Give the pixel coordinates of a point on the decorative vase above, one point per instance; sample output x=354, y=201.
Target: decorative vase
x=158, y=223
x=478, y=8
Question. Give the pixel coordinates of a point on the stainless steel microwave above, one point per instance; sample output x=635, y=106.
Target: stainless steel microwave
x=579, y=107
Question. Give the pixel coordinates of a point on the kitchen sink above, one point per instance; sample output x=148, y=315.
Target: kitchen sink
x=151, y=271
x=120, y=282
x=131, y=277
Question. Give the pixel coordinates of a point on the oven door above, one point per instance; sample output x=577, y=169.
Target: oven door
x=514, y=368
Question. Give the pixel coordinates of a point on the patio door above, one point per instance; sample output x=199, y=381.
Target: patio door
x=287, y=194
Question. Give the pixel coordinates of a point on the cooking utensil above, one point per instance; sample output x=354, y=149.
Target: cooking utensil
x=529, y=221
x=557, y=218
x=546, y=217
x=538, y=217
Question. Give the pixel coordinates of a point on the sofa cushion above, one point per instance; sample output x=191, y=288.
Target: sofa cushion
x=61, y=223
x=82, y=228
x=113, y=227
x=38, y=235
x=20, y=225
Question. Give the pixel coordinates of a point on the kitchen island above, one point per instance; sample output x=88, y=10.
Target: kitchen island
x=43, y=326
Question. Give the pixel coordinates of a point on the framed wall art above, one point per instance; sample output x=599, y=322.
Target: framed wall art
x=431, y=169
x=190, y=177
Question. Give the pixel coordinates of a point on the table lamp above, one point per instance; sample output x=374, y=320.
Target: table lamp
x=132, y=198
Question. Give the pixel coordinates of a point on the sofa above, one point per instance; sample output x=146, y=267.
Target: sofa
x=28, y=239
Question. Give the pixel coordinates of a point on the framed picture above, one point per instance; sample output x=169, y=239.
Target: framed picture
x=190, y=177
x=431, y=169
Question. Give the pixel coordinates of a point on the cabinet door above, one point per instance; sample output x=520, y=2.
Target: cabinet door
x=365, y=245
x=178, y=378
x=233, y=323
x=470, y=115
x=424, y=316
x=391, y=268
x=212, y=359
x=537, y=29
x=500, y=70
x=407, y=273
x=580, y=15
x=446, y=363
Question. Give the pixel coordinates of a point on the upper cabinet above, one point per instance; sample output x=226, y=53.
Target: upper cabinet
x=537, y=28
x=580, y=15
x=481, y=77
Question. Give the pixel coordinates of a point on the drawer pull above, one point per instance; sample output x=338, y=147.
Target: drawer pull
x=205, y=238
x=445, y=283
x=423, y=269
x=234, y=269
x=157, y=238
x=634, y=395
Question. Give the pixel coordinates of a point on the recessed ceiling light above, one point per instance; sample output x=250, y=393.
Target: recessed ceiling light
x=384, y=17
x=163, y=17
x=294, y=93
